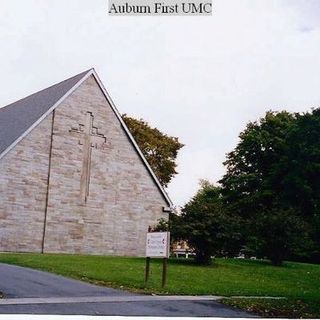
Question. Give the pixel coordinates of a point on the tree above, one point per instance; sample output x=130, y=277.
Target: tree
x=302, y=187
x=173, y=224
x=206, y=226
x=277, y=234
x=159, y=149
x=251, y=183
x=300, y=182
x=273, y=175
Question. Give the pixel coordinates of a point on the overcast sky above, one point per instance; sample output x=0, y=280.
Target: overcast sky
x=198, y=78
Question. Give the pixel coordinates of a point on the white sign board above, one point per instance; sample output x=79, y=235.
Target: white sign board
x=158, y=244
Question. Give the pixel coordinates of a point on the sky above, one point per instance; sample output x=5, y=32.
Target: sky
x=201, y=79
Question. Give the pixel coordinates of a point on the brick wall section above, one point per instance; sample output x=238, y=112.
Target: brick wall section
x=124, y=200
x=23, y=190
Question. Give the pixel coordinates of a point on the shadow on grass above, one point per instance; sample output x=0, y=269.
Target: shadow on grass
x=255, y=262
x=192, y=262
x=233, y=261
x=216, y=262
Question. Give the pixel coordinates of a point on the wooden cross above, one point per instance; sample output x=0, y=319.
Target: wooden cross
x=90, y=138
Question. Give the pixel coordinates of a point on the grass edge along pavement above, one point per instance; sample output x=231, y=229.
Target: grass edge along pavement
x=276, y=308
x=298, y=282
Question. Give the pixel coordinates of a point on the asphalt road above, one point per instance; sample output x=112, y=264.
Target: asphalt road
x=29, y=291
x=18, y=282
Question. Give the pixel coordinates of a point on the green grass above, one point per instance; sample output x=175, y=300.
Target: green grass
x=226, y=277
x=283, y=308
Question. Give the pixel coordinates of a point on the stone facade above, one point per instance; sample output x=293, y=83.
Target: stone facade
x=23, y=191
x=67, y=194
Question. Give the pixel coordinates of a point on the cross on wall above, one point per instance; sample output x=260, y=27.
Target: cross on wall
x=90, y=138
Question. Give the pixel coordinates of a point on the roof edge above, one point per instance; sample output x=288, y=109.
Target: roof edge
x=132, y=140
x=46, y=113
x=116, y=112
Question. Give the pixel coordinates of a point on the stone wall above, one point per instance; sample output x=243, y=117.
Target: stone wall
x=123, y=198
x=23, y=191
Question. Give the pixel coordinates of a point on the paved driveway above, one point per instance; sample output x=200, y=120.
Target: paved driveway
x=31, y=291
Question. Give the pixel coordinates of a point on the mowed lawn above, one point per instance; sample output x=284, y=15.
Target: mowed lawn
x=226, y=277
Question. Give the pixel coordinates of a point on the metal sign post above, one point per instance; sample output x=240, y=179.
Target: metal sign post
x=157, y=246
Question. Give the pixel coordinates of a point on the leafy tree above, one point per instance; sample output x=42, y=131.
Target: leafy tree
x=302, y=187
x=173, y=224
x=277, y=235
x=301, y=168
x=273, y=175
x=251, y=183
x=205, y=224
x=159, y=149
x=315, y=231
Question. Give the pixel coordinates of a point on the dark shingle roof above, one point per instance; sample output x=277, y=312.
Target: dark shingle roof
x=16, y=118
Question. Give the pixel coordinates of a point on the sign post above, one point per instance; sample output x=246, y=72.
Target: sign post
x=164, y=272
x=146, y=278
x=157, y=246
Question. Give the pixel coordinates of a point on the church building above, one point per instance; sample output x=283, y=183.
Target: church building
x=72, y=178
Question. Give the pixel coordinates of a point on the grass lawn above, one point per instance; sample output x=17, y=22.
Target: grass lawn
x=299, y=283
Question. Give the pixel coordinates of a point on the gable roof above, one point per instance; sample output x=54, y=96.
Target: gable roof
x=19, y=118
x=16, y=118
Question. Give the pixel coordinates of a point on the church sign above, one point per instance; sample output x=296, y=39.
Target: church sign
x=157, y=245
